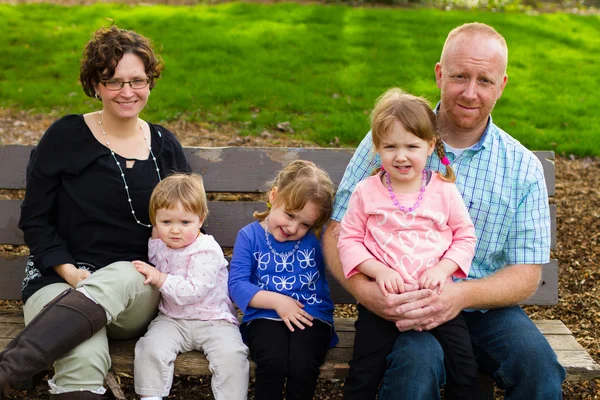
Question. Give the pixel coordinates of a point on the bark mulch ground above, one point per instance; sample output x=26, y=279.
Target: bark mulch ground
x=578, y=251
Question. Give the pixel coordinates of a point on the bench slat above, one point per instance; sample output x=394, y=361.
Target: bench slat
x=246, y=168
x=225, y=219
x=571, y=355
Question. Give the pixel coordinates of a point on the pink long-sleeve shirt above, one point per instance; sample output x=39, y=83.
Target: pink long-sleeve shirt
x=196, y=284
x=409, y=242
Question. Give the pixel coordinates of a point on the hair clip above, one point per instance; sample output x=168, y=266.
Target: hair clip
x=268, y=205
x=445, y=160
x=382, y=168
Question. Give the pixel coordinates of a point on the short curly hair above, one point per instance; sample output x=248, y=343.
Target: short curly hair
x=107, y=47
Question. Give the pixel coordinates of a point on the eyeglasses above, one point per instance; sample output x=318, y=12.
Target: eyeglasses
x=118, y=85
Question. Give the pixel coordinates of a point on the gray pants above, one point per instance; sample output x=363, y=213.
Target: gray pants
x=120, y=289
x=221, y=342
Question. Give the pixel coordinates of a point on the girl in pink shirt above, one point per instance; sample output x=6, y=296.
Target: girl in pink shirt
x=407, y=228
x=196, y=312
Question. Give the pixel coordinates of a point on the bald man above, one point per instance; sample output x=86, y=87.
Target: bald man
x=502, y=184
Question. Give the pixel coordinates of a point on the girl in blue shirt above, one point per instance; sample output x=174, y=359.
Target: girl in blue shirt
x=277, y=278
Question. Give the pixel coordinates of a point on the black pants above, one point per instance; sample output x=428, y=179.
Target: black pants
x=374, y=340
x=280, y=354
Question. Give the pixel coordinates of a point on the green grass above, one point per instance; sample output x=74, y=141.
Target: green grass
x=320, y=67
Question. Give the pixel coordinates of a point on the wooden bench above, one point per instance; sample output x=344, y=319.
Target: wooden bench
x=230, y=174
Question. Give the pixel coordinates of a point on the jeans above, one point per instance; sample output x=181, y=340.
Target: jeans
x=507, y=345
x=375, y=338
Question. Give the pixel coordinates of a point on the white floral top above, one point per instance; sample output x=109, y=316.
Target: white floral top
x=196, y=286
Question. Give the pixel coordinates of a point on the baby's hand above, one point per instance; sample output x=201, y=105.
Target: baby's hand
x=291, y=312
x=432, y=278
x=390, y=282
x=153, y=276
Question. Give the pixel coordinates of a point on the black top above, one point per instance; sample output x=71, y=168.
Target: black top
x=75, y=208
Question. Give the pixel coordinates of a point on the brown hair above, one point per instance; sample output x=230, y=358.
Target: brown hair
x=185, y=189
x=298, y=183
x=106, y=48
x=414, y=113
x=473, y=29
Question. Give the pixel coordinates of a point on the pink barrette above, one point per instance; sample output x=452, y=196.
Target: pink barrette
x=382, y=168
x=445, y=160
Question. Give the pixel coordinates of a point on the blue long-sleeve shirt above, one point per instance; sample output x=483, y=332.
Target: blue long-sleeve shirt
x=300, y=276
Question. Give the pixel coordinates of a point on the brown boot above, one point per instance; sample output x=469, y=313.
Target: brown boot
x=78, y=395
x=65, y=322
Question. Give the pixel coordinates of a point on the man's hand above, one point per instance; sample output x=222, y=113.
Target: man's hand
x=153, y=276
x=430, y=312
x=71, y=273
x=292, y=313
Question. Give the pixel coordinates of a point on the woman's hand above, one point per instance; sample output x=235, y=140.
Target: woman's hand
x=292, y=313
x=153, y=276
x=71, y=273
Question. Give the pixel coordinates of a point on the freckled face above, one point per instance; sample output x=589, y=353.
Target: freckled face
x=471, y=79
x=177, y=227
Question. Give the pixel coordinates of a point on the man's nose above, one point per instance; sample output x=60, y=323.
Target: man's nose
x=470, y=91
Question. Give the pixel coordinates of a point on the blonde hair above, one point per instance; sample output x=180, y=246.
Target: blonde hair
x=298, y=183
x=415, y=114
x=185, y=189
x=476, y=29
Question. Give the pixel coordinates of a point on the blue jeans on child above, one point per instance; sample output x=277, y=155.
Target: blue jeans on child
x=508, y=347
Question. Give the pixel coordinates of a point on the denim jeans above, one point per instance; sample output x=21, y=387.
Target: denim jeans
x=374, y=340
x=508, y=347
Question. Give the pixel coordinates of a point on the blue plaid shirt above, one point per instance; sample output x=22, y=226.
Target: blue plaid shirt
x=503, y=187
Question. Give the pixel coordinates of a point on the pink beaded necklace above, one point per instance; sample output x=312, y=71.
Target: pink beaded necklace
x=393, y=196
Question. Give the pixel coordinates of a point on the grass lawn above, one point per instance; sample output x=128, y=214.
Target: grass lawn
x=319, y=67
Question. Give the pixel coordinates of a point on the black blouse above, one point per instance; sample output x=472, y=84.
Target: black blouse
x=76, y=209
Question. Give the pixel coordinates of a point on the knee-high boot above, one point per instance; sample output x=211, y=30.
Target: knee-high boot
x=68, y=320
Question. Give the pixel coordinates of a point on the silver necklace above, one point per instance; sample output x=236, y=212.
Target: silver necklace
x=121, y=169
x=283, y=256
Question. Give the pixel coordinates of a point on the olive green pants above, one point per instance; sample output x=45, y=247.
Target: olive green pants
x=120, y=289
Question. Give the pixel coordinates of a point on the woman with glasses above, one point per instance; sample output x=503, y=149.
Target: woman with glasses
x=85, y=218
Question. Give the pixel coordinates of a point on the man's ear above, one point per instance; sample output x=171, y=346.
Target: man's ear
x=438, y=75
x=502, y=86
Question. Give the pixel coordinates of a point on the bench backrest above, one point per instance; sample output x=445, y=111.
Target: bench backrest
x=226, y=170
